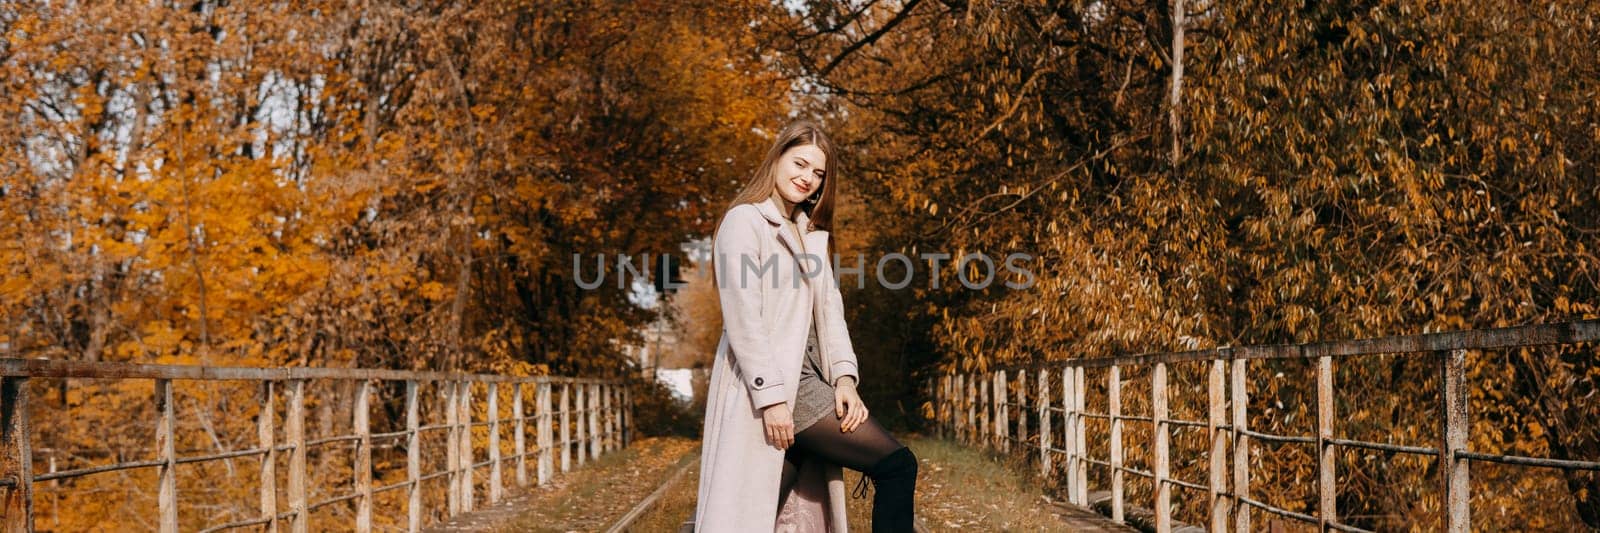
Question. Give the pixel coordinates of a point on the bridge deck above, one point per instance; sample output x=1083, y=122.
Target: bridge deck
x=958, y=488
x=1075, y=518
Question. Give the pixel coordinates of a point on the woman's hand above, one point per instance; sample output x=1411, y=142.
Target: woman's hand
x=847, y=405
x=780, y=425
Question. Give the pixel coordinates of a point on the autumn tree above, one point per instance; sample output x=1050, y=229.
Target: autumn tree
x=382, y=185
x=1342, y=170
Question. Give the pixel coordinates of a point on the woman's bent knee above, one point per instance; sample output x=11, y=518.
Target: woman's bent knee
x=902, y=463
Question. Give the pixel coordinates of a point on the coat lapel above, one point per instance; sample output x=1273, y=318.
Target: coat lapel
x=769, y=209
x=813, y=240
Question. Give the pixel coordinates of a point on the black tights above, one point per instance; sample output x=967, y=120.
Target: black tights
x=870, y=450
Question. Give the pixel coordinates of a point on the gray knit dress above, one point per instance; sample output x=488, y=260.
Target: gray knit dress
x=814, y=400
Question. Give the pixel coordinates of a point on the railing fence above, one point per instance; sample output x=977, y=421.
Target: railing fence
x=976, y=409
x=603, y=412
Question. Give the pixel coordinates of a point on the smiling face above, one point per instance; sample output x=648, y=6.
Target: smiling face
x=800, y=171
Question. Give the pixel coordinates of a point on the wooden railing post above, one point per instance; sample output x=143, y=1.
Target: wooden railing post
x=1327, y=491
x=1044, y=422
x=1080, y=393
x=1219, y=446
x=587, y=422
x=362, y=423
x=952, y=398
x=605, y=420
x=973, y=434
x=594, y=421
x=566, y=427
x=963, y=408
x=452, y=460
x=1453, y=468
x=18, y=454
x=1114, y=400
x=413, y=460
x=985, y=427
x=1002, y=411
x=610, y=442
x=294, y=428
x=1069, y=440
x=521, y=441
x=1241, y=446
x=969, y=409
x=582, y=422
x=166, y=450
x=16, y=442
x=628, y=413
x=267, y=439
x=1022, y=408
x=542, y=406
x=495, y=479
x=1158, y=419
x=465, y=419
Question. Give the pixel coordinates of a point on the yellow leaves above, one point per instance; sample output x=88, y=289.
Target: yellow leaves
x=1358, y=34
x=484, y=112
x=14, y=287
x=160, y=337
x=434, y=291
x=427, y=186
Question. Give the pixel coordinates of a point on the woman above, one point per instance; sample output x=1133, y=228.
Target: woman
x=782, y=412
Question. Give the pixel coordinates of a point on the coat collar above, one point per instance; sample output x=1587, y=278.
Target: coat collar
x=769, y=209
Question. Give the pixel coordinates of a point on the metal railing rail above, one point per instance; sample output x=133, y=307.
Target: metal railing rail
x=976, y=408
x=603, y=412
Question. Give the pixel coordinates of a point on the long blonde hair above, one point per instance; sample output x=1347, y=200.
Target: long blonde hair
x=763, y=183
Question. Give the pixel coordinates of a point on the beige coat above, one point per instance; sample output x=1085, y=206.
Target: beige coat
x=767, y=313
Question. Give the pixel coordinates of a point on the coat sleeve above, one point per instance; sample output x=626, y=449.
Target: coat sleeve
x=739, y=240
x=840, y=350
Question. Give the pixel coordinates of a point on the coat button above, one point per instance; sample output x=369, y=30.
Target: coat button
x=811, y=348
x=758, y=382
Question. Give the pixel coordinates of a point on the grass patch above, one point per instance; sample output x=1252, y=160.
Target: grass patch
x=962, y=488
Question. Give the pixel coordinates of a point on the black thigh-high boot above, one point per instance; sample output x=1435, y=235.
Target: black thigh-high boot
x=870, y=450
x=895, y=479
